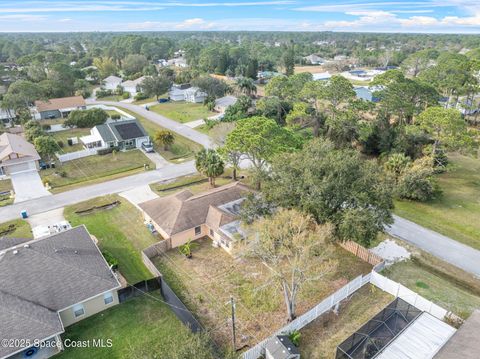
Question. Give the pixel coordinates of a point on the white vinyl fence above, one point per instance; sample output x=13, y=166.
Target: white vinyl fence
x=321, y=308
x=64, y=157
x=387, y=285
x=409, y=296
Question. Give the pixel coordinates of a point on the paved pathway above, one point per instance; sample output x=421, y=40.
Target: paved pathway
x=159, y=161
x=451, y=251
x=48, y=203
x=163, y=121
x=28, y=185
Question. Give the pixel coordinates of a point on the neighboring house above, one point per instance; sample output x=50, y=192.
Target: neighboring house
x=183, y=216
x=177, y=62
x=366, y=93
x=48, y=284
x=58, y=107
x=133, y=86
x=7, y=115
x=340, y=58
x=221, y=104
x=191, y=94
x=322, y=76
x=464, y=343
x=16, y=155
x=124, y=134
x=314, y=60
x=281, y=347
x=112, y=82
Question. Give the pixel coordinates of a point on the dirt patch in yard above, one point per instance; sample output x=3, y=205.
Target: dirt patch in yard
x=206, y=282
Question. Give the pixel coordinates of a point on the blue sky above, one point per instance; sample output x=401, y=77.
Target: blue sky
x=437, y=16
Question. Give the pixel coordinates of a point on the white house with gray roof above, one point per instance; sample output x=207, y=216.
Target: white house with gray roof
x=48, y=284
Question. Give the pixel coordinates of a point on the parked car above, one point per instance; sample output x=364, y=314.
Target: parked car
x=163, y=100
x=147, y=147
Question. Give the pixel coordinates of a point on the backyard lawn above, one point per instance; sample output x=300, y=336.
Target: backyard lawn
x=17, y=228
x=182, y=111
x=92, y=169
x=320, y=338
x=183, y=149
x=438, y=281
x=205, y=283
x=5, y=186
x=63, y=136
x=140, y=328
x=456, y=212
x=119, y=230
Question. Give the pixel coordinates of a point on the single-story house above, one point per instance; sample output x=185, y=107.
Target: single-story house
x=183, y=216
x=58, y=107
x=124, y=134
x=314, y=59
x=133, y=86
x=16, y=155
x=322, y=76
x=177, y=62
x=7, y=115
x=191, y=94
x=281, y=347
x=366, y=93
x=112, y=82
x=221, y=104
x=48, y=284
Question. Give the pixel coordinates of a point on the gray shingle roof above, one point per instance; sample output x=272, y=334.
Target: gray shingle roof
x=6, y=242
x=41, y=277
x=105, y=133
x=281, y=347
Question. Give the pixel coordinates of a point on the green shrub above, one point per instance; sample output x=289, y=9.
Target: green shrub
x=111, y=260
x=46, y=127
x=106, y=151
x=141, y=96
x=126, y=95
x=60, y=143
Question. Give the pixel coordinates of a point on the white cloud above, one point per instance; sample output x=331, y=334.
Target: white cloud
x=23, y=17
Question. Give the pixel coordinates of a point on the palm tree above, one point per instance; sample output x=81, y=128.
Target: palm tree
x=209, y=163
x=246, y=86
x=165, y=138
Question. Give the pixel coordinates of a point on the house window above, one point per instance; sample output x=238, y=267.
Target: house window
x=78, y=310
x=211, y=233
x=108, y=298
x=198, y=230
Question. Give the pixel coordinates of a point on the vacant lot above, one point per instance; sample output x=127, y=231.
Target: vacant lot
x=17, y=228
x=92, y=169
x=206, y=282
x=456, y=212
x=119, y=230
x=183, y=149
x=438, y=281
x=182, y=111
x=320, y=338
x=63, y=136
x=140, y=328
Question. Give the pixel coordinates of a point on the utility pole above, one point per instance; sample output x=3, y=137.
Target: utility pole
x=232, y=302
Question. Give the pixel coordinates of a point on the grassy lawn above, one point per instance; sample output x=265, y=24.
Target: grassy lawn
x=183, y=149
x=456, y=212
x=443, y=284
x=119, y=230
x=205, y=283
x=111, y=98
x=182, y=111
x=21, y=229
x=139, y=328
x=5, y=185
x=194, y=183
x=320, y=338
x=93, y=169
x=63, y=136
x=150, y=99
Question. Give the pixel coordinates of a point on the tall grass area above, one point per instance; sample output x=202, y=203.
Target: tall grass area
x=456, y=212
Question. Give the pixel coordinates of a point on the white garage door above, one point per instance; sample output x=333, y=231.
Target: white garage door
x=22, y=167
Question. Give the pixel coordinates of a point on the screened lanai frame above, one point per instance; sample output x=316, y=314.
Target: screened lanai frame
x=378, y=332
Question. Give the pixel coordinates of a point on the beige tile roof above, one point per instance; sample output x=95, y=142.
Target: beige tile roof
x=182, y=211
x=13, y=144
x=59, y=103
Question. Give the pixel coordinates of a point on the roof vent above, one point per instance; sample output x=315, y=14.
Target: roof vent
x=76, y=252
x=15, y=252
x=26, y=246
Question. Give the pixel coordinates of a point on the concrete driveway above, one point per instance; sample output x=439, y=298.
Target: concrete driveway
x=159, y=161
x=28, y=185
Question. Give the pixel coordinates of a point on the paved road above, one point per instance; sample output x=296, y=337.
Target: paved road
x=48, y=203
x=451, y=251
x=163, y=121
